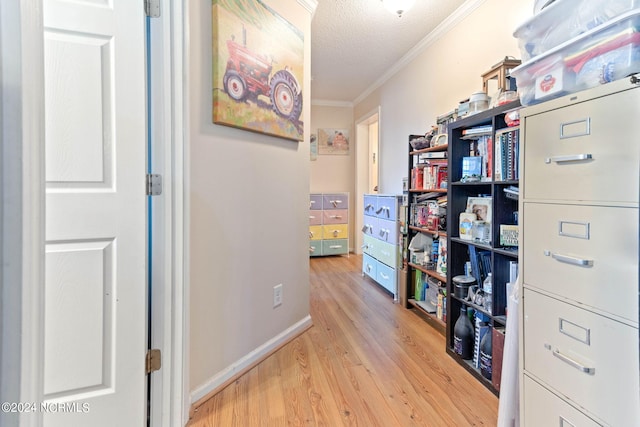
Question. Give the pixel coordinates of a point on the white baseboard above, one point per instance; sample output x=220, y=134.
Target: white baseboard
x=241, y=366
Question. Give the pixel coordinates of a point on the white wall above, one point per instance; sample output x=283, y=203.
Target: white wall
x=247, y=220
x=446, y=72
x=335, y=173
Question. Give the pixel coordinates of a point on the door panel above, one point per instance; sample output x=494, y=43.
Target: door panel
x=79, y=137
x=79, y=286
x=95, y=262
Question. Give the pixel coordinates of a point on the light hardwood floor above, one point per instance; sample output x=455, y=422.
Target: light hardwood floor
x=365, y=362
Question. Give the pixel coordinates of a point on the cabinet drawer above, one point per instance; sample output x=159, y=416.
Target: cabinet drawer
x=558, y=238
x=335, y=201
x=369, y=266
x=370, y=226
x=386, y=253
x=590, y=359
x=386, y=276
x=369, y=245
x=315, y=201
x=386, y=208
x=335, y=231
x=335, y=216
x=315, y=247
x=602, y=128
x=335, y=247
x=370, y=205
x=543, y=408
x=315, y=232
x=387, y=231
x=315, y=217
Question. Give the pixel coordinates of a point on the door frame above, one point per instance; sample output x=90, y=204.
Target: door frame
x=362, y=167
x=169, y=127
x=22, y=188
x=22, y=213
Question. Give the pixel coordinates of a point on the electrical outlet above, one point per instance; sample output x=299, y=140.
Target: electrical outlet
x=277, y=295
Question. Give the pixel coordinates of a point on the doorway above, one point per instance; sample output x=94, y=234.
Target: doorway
x=23, y=226
x=367, y=165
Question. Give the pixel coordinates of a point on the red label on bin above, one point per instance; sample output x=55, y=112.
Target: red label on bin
x=547, y=83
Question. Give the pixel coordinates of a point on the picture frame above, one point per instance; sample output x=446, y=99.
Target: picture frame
x=257, y=69
x=333, y=141
x=481, y=206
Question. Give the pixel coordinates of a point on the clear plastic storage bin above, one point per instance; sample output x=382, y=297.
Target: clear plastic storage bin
x=601, y=55
x=563, y=20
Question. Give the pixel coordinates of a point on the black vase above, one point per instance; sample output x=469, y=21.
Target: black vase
x=463, y=335
x=486, y=355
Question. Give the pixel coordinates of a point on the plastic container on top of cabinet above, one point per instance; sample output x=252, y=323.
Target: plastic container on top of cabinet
x=606, y=53
x=563, y=20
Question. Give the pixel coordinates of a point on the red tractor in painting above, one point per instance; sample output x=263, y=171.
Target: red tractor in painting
x=247, y=75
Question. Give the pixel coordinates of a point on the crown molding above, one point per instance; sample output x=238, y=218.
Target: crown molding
x=445, y=26
x=329, y=103
x=310, y=5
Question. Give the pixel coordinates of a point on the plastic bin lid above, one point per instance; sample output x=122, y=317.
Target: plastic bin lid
x=556, y=50
x=560, y=7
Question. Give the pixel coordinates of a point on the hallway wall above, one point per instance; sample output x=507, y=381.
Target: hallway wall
x=447, y=71
x=247, y=221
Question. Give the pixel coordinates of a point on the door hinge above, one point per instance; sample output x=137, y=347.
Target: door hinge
x=154, y=184
x=153, y=360
x=152, y=8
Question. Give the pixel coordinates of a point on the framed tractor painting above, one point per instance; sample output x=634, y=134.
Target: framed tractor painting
x=258, y=64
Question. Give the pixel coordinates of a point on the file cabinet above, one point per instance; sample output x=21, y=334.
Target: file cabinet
x=579, y=356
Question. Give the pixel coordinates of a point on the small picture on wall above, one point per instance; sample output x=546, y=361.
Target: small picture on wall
x=333, y=141
x=313, y=148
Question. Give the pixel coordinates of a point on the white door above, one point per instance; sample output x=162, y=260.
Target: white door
x=95, y=306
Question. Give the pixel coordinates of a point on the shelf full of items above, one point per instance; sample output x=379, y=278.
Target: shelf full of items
x=426, y=201
x=482, y=237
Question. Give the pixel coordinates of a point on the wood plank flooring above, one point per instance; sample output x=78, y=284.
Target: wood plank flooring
x=365, y=362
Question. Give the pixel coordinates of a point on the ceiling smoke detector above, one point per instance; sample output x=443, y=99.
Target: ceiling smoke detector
x=397, y=6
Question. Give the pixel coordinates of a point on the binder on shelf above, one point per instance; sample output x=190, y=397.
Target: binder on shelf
x=497, y=349
x=513, y=272
x=473, y=260
x=481, y=328
x=477, y=130
x=480, y=261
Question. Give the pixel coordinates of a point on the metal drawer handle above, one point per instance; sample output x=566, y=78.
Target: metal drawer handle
x=379, y=210
x=572, y=260
x=336, y=216
x=572, y=158
x=335, y=246
x=310, y=234
x=573, y=363
x=384, y=276
x=369, y=206
x=335, y=202
x=335, y=233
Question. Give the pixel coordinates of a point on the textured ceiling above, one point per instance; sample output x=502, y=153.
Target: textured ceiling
x=355, y=42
